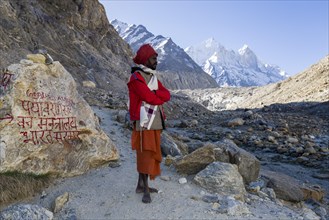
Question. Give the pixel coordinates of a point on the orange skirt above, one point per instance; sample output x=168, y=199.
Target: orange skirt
x=149, y=154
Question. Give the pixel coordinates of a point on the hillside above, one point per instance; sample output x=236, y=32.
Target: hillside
x=75, y=33
x=311, y=85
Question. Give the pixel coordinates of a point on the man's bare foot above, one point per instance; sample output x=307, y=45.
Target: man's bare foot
x=140, y=189
x=153, y=190
x=146, y=197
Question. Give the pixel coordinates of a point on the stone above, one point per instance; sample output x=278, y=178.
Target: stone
x=46, y=126
x=67, y=213
x=169, y=146
x=310, y=150
x=89, y=84
x=247, y=163
x=301, y=159
x=221, y=178
x=313, y=192
x=121, y=116
x=26, y=211
x=282, y=149
x=114, y=164
x=256, y=186
x=169, y=160
x=270, y=193
x=292, y=140
x=284, y=186
x=233, y=207
x=195, y=161
x=60, y=202
x=215, y=206
x=182, y=180
x=210, y=198
x=235, y=122
x=271, y=139
x=165, y=178
x=321, y=211
x=309, y=214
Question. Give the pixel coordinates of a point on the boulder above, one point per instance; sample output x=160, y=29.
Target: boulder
x=46, y=126
x=313, y=192
x=284, y=186
x=222, y=178
x=248, y=165
x=169, y=146
x=26, y=211
x=195, y=161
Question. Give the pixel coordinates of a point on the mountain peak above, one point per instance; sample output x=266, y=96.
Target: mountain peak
x=245, y=49
x=211, y=43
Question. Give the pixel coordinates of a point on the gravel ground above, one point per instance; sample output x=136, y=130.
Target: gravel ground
x=109, y=191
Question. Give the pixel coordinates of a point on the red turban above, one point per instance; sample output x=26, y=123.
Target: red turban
x=143, y=54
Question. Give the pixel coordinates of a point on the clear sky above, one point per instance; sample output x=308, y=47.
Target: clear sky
x=290, y=34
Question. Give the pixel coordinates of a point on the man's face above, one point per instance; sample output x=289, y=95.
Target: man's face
x=152, y=62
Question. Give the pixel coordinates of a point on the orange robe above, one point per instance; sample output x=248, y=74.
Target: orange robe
x=149, y=155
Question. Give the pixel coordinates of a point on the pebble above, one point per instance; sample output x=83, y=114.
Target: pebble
x=292, y=140
x=114, y=164
x=165, y=178
x=210, y=198
x=182, y=180
x=215, y=206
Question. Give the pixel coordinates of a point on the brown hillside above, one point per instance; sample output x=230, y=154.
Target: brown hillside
x=311, y=85
x=75, y=33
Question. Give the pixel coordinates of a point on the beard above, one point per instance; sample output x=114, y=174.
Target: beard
x=153, y=67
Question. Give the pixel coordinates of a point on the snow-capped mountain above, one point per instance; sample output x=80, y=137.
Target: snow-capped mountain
x=230, y=68
x=177, y=68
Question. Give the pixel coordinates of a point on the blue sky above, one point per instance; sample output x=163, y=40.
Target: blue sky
x=290, y=34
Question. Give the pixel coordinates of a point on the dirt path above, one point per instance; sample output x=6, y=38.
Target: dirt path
x=109, y=193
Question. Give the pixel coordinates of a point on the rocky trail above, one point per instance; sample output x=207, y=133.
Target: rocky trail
x=108, y=192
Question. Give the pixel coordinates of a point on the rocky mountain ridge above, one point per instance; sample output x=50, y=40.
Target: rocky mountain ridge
x=230, y=68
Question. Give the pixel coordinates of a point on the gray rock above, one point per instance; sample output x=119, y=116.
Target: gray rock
x=247, y=163
x=121, y=116
x=168, y=145
x=285, y=187
x=222, y=178
x=235, y=122
x=210, y=198
x=236, y=208
x=26, y=211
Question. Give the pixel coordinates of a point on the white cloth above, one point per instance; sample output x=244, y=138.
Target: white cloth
x=147, y=112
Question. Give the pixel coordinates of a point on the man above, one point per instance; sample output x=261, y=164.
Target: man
x=146, y=96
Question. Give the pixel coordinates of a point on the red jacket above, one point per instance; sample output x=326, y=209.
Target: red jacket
x=139, y=91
